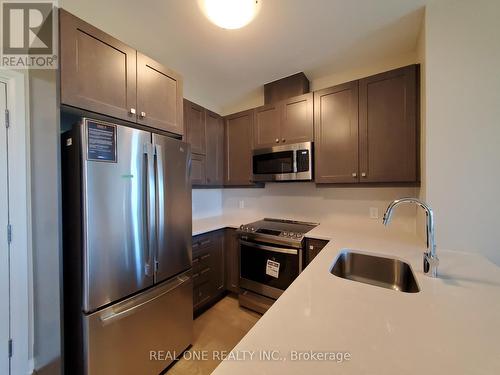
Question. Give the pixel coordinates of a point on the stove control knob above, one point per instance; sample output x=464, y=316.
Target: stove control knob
x=252, y=229
x=285, y=234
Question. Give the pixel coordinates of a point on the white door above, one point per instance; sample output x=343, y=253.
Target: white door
x=4, y=245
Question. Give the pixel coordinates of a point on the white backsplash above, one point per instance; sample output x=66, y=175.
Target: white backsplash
x=306, y=201
x=207, y=203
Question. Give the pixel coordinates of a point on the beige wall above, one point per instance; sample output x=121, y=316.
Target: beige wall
x=462, y=62
x=256, y=98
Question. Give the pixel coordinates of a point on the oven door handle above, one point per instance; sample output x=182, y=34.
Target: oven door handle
x=270, y=248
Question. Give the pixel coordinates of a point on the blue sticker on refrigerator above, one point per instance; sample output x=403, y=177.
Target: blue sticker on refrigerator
x=101, y=142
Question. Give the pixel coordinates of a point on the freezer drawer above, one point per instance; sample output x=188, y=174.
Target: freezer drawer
x=119, y=339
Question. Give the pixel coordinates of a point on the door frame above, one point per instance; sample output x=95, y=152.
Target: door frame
x=20, y=219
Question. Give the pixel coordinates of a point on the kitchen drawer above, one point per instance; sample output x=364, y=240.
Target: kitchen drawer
x=202, y=261
x=201, y=294
x=201, y=242
x=202, y=275
x=208, y=268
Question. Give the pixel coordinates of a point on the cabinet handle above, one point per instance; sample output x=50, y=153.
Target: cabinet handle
x=204, y=271
x=132, y=111
x=283, y=140
x=354, y=174
x=142, y=115
x=363, y=174
x=311, y=247
x=277, y=140
x=203, y=257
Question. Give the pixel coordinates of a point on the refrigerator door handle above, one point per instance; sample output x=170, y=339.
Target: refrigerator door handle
x=113, y=316
x=150, y=209
x=160, y=190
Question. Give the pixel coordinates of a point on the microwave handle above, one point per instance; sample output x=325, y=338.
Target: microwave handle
x=294, y=161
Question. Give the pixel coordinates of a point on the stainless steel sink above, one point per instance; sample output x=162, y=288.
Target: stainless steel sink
x=375, y=270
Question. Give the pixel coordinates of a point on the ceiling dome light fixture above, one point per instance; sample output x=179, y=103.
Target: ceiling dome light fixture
x=230, y=14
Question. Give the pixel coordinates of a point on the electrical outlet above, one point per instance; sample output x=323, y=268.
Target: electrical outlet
x=373, y=212
x=241, y=204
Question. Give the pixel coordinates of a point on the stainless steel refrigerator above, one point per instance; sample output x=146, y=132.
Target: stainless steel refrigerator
x=126, y=249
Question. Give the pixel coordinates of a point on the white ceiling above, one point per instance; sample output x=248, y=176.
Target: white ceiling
x=221, y=67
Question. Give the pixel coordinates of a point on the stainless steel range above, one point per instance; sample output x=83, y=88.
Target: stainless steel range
x=271, y=255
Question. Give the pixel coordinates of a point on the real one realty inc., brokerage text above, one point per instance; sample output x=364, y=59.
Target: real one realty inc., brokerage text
x=251, y=355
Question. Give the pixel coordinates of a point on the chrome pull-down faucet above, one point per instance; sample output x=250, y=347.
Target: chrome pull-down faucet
x=431, y=260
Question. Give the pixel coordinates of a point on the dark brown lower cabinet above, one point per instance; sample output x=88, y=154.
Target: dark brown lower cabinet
x=232, y=261
x=313, y=248
x=208, y=268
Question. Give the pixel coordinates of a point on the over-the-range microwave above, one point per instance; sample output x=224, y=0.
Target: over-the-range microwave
x=292, y=162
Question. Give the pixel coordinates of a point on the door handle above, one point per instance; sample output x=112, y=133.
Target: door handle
x=160, y=195
x=150, y=208
x=110, y=318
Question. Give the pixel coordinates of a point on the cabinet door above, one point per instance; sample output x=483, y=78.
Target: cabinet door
x=231, y=254
x=98, y=72
x=217, y=276
x=159, y=96
x=267, y=126
x=198, y=171
x=336, y=134
x=388, y=126
x=195, y=126
x=238, y=145
x=297, y=122
x=313, y=248
x=214, y=128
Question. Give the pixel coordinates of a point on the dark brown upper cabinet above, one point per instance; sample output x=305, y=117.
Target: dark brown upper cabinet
x=159, y=96
x=367, y=131
x=214, y=125
x=297, y=121
x=102, y=74
x=198, y=169
x=98, y=72
x=284, y=88
x=267, y=126
x=285, y=122
x=388, y=141
x=194, y=116
x=238, y=146
x=336, y=134
x=205, y=132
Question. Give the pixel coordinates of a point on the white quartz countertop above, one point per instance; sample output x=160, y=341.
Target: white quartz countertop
x=452, y=326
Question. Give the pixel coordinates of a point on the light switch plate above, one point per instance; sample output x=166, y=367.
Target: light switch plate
x=373, y=212
x=241, y=204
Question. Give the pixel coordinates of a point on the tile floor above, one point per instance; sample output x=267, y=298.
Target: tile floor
x=219, y=328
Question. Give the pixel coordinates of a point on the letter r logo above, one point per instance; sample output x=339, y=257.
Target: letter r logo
x=27, y=28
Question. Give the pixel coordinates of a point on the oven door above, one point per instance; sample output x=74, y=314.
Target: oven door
x=268, y=269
